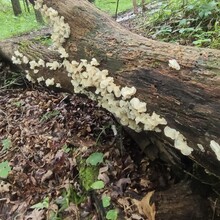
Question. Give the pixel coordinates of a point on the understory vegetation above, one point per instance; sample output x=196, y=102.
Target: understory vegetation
x=73, y=159
x=14, y=25
x=109, y=6
x=188, y=22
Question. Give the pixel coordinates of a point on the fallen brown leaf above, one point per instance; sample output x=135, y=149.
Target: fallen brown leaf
x=47, y=175
x=144, y=206
x=4, y=187
x=36, y=214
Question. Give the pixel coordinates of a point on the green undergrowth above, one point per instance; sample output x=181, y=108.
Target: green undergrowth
x=192, y=22
x=26, y=22
x=12, y=25
x=109, y=6
x=86, y=184
x=87, y=174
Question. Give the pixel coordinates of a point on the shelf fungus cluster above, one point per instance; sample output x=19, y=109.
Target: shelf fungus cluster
x=179, y=140
x=84, y=75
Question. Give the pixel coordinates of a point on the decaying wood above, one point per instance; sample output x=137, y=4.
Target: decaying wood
x=189, y=98
x=185, y=204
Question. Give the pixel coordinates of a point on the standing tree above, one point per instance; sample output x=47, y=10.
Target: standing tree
x=135, y=6
x=26, y=5
x=16, y=7
x=38, y=15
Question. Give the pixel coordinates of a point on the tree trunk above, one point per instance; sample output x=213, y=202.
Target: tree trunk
x=16, y=7
x=135, y=6
x=26, y=5
x=143, y=5
x=189, y=98
x=38, y=16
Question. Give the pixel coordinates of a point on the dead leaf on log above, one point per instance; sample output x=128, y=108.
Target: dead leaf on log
x=145, y=208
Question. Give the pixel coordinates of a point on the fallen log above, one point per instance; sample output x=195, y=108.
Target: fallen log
x=170, y=92
x=185, y=204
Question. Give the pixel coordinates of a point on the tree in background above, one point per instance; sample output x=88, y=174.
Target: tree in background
x=26, y=5
x=16, y=7
x=38, y=15
x=135, y=5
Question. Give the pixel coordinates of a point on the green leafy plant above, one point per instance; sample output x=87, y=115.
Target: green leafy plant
x=192, y=22
x=87, y=174
x=66, y=149
x=18, y=103
x=41, y=205
x=69, y=195
x=88, y=171
x=11, y=80
x=6, y=143
x=98, y=185
x=106, y=201
x=95, y=158
x=5, y=168
x=47, y=116
x=112, y=214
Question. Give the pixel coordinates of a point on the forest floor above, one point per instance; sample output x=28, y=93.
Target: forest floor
x=57, y=149
x=46, y=138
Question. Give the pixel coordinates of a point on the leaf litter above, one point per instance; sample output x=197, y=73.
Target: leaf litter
x=47, y=132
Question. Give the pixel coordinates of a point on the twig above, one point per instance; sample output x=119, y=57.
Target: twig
x=116, y=11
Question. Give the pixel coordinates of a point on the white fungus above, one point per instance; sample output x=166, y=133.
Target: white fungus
x=216, y=148
x=41, y=63
x=36, y=70
x=138, y=105
x=105, y=82
x=29, y=78
x=127, y=92
x=40, y=79
x=94, y=62
x=25, y=60
x=33, y=64
x=179, y=140
x=201, y=147
x=58, y=85
x=63, y=53
x=49, y=82
x=16, y=60
x=18, y=54
x=173, y=64
x=54, y=65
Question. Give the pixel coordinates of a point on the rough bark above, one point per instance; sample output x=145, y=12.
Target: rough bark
x=16, y=7
x=38, y=16
x=188, y=99
x=185, y=204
